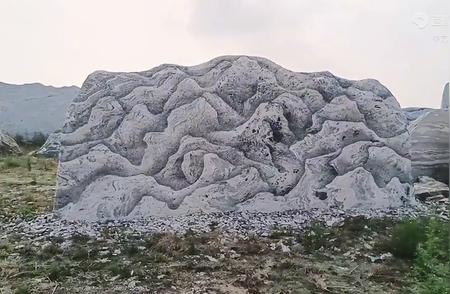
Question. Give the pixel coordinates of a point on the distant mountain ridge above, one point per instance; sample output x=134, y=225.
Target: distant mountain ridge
x=30, y=109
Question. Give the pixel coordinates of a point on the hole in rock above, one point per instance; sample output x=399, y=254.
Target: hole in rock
x=321, y=195
x=276, y=131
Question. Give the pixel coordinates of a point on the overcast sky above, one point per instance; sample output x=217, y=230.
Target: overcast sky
x=402, y=43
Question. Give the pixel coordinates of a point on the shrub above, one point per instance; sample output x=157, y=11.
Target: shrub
x=152, y=240
x=131, y=250
x=431, y=271
x=12, y=162
x=16, y=161
x=80, y=253
x=191, y=247
x=120, y=270
x=252, y=246
x=27, y=211
x=19, y=139
x=315, y=238
x=50, y=251
x=405, y=238
x=80, y=238
x=22, y=290
x=57, y=271
x=37, y=140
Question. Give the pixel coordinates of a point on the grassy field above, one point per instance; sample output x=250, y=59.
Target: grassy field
x=358, y=256
x=27, y=186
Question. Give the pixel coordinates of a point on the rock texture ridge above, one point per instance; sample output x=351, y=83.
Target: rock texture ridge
x=235, y=133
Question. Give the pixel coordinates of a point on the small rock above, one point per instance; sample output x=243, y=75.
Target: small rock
x=284, y=248
x=210, y=258
x=380, y=258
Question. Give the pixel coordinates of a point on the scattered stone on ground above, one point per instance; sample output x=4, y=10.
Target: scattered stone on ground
x=435, y=194
x=308, y=251
x=343, y=258
x=260, y=224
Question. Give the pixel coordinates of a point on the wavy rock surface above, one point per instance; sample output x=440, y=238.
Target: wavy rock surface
x=235, y=133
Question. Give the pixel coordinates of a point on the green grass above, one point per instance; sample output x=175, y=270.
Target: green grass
x=431, y=273
x=22, y=290
x=316, y=238
x=57, y=271
x=80, y=253
x=12, y=162
x=118, y=269
x=160, y=261
x=27, y=186
x=425, y=242
x=50, y=251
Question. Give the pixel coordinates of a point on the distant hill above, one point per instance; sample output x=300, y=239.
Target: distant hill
x=30, y=109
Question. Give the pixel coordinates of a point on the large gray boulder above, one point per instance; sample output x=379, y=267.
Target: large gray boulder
x=8, y=145
x=33, y=110
x=427, y=187
x=235, y=133
x=430, y=145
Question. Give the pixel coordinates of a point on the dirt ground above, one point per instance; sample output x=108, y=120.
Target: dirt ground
x=348, y=258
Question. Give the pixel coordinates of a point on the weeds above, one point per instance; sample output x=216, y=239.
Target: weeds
x=57, y=271
x=12, y=162
x=316, y=238
x=80, y=239
x=118, y=269
x=80, y=253
x=405, y=238
x=28, y=163
x=431, y=271
x=131, y=250
x=50, y=251
x=22, y=290
x=252, y=246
